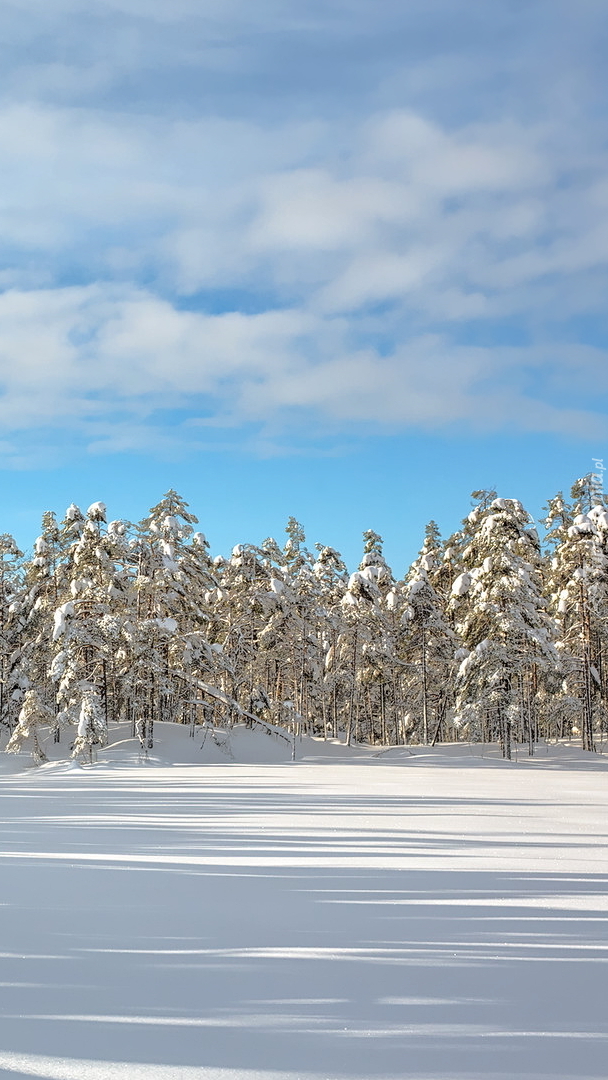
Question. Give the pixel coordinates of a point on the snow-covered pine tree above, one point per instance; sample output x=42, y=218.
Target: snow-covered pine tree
x=578, y=588
x=429, y=644
x=438, y=561
x=367, y=637
x=331, y=575
x=173, y=571
x=10, y=636
x=289, y=629
x=88, y=617
x=295, y=554
x=502, y=618
x=33, y=716
x=241, y=609
x=31, y=614
x=92, y=724
x=303, y=630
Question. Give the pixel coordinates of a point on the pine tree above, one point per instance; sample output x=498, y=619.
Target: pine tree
x=173, y=571
x=429, y=644
x=578, y=589
x=332, y=578
x=92, y=724
x=89, y=615
x=10, y=637
x=33, y=716
x=502, y=618
x=367, y=638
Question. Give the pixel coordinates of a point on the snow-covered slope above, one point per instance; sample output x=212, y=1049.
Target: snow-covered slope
x=174, y=744
x=177, y=744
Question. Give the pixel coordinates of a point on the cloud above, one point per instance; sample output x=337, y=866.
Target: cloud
x=108, y=367
x=219, y=211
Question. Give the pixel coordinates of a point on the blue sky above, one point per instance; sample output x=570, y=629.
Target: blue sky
x=334, y=259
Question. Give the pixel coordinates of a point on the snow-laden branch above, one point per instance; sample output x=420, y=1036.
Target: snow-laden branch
x=231, y=703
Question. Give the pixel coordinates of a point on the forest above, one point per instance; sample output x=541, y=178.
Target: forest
x=494, y=635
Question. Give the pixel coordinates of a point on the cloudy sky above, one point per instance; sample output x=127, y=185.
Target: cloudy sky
x=338, y=259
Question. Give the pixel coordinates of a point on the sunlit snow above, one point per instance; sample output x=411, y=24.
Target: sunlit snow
x=224, y=913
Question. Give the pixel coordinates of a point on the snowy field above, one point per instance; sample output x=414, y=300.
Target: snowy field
x=440, y=915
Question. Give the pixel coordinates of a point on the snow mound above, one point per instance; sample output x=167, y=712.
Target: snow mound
x=560, y=755
x=178, y=744
x=263, y=744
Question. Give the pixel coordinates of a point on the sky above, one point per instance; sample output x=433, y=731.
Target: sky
x=340, y=260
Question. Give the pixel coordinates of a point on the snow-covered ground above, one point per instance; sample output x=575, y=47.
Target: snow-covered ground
x=438, y=915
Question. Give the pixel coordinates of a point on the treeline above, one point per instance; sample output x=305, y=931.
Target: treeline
x=490, y=636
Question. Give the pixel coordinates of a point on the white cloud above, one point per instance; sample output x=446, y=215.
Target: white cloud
x=312, y=209
x=107, y=365
x=339, y=233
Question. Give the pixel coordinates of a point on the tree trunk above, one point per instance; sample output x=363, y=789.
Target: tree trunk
x=425, y=703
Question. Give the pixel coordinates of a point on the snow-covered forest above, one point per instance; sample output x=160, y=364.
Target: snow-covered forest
x=493, y=635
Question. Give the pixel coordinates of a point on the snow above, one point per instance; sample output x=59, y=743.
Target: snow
x=461, y=585
x=97, y=511
x=417, y=586
x=59, y=619
x=413, y=913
